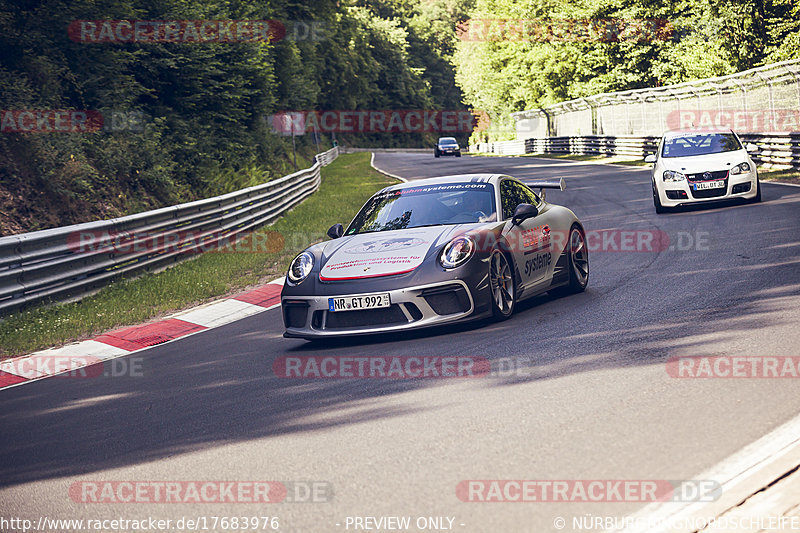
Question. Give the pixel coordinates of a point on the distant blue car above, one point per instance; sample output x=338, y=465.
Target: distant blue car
x=447, y=146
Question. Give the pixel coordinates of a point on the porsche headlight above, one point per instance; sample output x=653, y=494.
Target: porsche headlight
x=741, y=168
x=457, y=252
x=300, y=268
x=673, y=175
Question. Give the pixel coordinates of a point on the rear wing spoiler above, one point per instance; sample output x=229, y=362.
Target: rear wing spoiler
x=547, y=184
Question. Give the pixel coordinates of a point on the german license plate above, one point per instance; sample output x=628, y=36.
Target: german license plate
x=353, y=303
x=709, y=185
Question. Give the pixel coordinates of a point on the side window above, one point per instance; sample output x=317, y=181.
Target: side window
x=512, y=194
x=532, y=197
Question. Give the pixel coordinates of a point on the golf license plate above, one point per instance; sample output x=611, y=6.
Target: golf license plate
x=709, y=185
x=364, y=301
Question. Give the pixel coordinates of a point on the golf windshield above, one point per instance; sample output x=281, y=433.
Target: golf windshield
x=700, y=144
x=429, y=205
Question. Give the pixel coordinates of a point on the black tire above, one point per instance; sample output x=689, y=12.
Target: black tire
x=436, y=154
x=577, y=262
x=660, y=209
x=458, y=154
x=757, y=197
x=502, y=285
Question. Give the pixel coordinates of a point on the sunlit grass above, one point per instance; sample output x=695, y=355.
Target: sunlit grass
x=788, y=176
x=346, y=184
x=617, y=160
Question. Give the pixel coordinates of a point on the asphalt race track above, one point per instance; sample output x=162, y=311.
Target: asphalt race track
x=590, y=398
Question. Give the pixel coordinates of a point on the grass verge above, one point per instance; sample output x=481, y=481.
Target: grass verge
x=346, y=184
x=618, y=160
x=783, y=176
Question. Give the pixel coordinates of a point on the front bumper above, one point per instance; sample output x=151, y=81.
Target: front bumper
x=674, y=194
x=411, y=308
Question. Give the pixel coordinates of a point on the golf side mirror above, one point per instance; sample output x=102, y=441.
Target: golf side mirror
x=650, y=158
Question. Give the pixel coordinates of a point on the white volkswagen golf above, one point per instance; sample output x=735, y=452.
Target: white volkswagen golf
x=702, y=166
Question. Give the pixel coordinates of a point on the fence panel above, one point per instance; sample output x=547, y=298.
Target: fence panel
x=760, y=100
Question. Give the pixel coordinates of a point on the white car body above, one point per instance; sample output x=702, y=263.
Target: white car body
x=712, y=177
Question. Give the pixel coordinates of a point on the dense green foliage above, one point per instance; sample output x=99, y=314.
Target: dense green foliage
x=700, y=38
x=346, y=184
x=204, y=105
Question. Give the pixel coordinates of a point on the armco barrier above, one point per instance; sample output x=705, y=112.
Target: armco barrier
x=774, y=150
x=49, y=265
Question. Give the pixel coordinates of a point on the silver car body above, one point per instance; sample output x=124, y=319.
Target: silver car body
x=405, y=264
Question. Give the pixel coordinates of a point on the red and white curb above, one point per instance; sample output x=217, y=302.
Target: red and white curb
x=122, y=342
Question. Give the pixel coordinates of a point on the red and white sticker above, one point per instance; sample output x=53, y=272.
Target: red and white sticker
x=371, y=255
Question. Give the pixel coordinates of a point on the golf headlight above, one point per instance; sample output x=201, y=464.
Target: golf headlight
x=741, y=168
x=457, y=252
x=673, y=175
x=300, y=268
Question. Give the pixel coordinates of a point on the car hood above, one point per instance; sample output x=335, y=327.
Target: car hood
x=702, y=163
x=384, y=253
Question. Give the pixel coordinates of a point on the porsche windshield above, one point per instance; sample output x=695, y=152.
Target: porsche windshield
x=700, y=144
x=429, y=205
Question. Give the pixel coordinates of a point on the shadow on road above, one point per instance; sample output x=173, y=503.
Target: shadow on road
x=218, y=387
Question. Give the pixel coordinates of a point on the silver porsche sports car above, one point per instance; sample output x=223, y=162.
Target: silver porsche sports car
x=436, y=251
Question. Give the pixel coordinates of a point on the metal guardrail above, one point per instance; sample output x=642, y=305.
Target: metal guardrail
x=594, y=145
x=60, y=264
x=351, y=150
x=782, y=151
x=774, y=150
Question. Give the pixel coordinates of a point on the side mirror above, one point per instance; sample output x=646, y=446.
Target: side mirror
x=751, y=148
x=650, y=158
x=523, y=212
x=335, y=231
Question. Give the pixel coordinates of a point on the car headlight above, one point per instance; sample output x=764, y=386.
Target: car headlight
x=741, y=168
x=457, y=252
x=300, y=268
x=673, y=175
